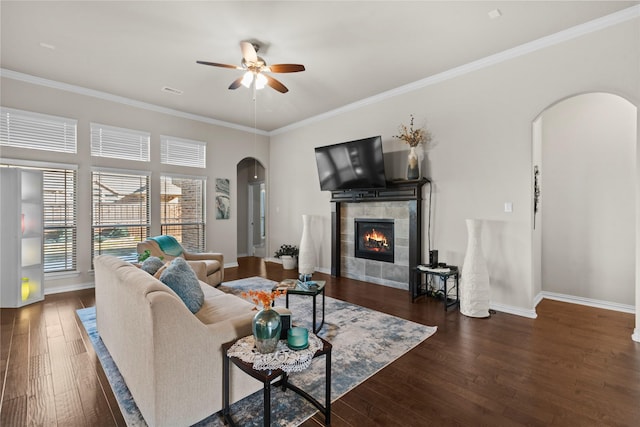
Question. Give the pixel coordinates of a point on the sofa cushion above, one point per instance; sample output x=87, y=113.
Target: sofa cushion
x=151, y=265
x=183, y=281
x=219, y=306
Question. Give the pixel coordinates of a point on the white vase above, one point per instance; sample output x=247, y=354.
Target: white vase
x=307, y=254
x=474, y=283
x=413, y=164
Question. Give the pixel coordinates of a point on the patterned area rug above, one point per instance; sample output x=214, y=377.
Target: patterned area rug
x=364, y=341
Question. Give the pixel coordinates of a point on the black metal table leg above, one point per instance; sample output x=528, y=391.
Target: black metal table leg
x=313, y=325
x=225, y=390
x=267, y=403
x=327, y=402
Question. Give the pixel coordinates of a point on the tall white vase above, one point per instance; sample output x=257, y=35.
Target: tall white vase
x=307, y=254
x=474, y=286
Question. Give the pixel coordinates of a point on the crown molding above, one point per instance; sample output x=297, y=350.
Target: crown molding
x=524, y=49
x=15, y=75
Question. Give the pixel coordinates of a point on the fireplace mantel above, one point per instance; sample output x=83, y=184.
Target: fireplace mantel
x=400, y=191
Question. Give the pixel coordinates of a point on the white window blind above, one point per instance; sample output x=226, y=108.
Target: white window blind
x=24, y=129
x=183, y=210
x=182, y=152
x=119, y=143
x=60, y=220
x=120, y=214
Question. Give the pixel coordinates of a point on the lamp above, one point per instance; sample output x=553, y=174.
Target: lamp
x=251, y=77
x=247, y=79
x=261, y=81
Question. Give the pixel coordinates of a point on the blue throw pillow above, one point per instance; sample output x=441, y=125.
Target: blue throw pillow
x=151, y=265
x=181, y=278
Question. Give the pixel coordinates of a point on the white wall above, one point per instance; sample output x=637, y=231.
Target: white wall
x=481, y=122
x=588, y=200
x=225, y=148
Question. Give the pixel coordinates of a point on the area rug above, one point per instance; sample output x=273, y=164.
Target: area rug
x=364, y=341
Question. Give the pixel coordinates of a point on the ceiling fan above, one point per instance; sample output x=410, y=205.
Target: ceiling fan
x=255, y=68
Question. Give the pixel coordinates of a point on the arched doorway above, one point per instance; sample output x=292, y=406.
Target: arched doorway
x=584, y=169
x=251, y=233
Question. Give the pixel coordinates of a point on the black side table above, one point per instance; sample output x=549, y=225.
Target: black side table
x=267, y=376
x=452, y=274
x=294, y=288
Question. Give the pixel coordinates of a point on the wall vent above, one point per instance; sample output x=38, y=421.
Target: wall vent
x=172, y=90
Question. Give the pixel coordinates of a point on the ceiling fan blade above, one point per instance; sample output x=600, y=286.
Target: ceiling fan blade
x=236, y=83
x=248, y=52
x=285, y=68
x=276, y=84
x=215, y=64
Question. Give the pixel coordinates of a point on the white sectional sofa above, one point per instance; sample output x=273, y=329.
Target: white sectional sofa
x=170, y=358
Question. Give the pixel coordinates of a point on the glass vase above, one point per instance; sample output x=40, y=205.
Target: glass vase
x=413, y=165
x=266, y=327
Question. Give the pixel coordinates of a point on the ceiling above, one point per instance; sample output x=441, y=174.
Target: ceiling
x=352, y=50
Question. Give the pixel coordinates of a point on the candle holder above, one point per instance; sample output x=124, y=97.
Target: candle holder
x=298, y=338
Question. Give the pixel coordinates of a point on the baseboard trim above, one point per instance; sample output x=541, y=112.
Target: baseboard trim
x=607, y=305
x=71, y=288
x=518, y=311
x=231, y=264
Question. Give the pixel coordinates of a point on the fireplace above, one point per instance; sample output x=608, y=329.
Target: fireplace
x=374, y=239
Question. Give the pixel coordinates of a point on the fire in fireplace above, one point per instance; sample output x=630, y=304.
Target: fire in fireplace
x=374, y=239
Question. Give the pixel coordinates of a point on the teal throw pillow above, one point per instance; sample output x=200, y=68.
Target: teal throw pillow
x=151, y=265
x=181, y=278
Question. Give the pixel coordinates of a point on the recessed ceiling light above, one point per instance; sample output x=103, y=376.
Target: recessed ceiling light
x=172, y=90
x=47, y=46
x=495, y=13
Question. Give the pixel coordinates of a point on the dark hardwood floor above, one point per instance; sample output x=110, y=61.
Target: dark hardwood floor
x=572, y=366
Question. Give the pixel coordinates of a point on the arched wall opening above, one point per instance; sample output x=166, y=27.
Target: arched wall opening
x=585, y=174
x=251, y=193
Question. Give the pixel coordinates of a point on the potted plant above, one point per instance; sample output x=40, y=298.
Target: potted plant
x=289, y=256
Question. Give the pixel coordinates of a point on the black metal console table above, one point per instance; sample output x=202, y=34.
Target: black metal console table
x=446, y=274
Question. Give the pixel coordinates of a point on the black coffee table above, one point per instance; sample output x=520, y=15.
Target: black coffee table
x=293, y=287
x=267, y=376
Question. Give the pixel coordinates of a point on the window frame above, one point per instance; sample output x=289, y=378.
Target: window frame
x=166, y=226
x=107, y=229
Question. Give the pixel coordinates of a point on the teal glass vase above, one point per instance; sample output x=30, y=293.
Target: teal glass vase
x=266, y=327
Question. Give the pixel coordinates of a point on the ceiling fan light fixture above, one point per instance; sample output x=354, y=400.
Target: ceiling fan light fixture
x=261, y=81
x=247, y=79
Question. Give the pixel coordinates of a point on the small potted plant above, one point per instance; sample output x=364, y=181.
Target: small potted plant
x=289, y=256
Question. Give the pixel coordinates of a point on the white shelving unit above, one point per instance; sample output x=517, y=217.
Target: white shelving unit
x=21, y=223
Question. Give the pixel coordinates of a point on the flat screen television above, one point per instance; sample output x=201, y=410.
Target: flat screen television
x=351, y=165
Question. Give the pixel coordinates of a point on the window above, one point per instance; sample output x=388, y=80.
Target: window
x=182, y=210
x=120, y=214
x=24, y=129
x=60, y=224
x=182, y=152
x=59, y=212
x=119, y=143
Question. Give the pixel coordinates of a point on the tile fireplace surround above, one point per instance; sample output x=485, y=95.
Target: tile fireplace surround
x=394, y=274
x=400, y=201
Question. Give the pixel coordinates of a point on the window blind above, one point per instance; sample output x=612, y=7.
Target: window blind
x=119, y=143
x=182, y=152
x=25, y=129
x=183, y=210
x=60, y=220
x=120, y=213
